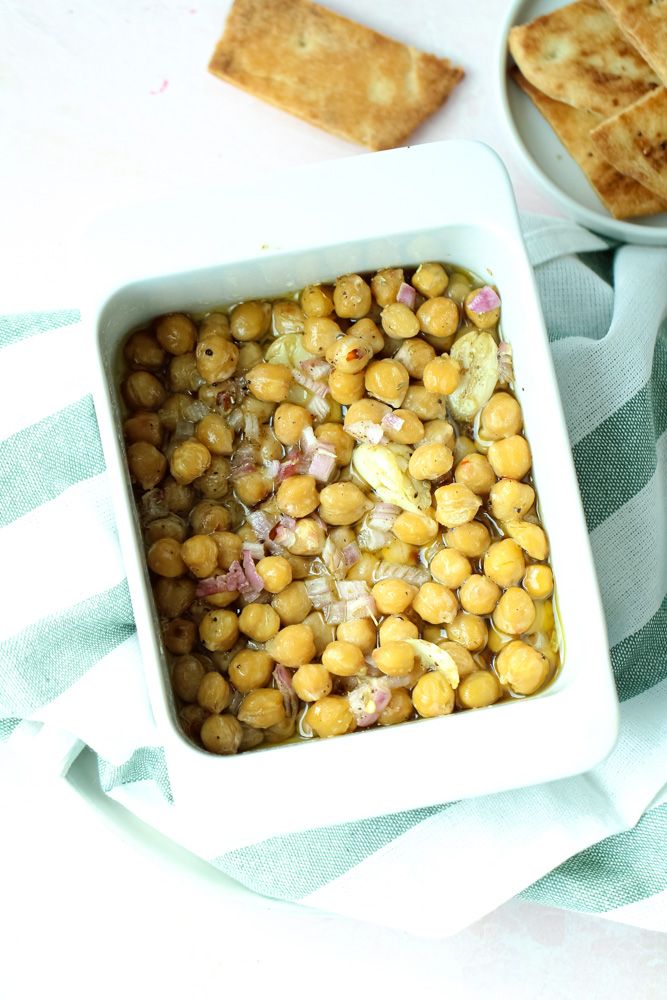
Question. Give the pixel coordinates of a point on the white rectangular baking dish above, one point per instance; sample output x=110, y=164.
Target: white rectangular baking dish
x=449, y=201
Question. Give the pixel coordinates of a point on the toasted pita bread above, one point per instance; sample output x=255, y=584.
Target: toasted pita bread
x=644, y=22
x=621, y=195
x=635, y=141
x=333, y=72
x=578, y=55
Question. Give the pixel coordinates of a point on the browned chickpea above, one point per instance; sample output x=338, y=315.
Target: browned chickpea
x=366, y=409
x=297, y=496
x=475, y=472
x=510, y=458
x=262, y=708
x=410, y=431
x=399, y=321
x=219, y=630
x=387, y=380
x=438, y=317
x=293, y=645
x=311, y=682
x=342, y=503
x=442, y=375
x=221, y=734
x=269, y=382
x=216, y=358
x=435, y=603
x=213, y=484
x=415, y=354
x=179, y=635
x=482, y=320
x=215, y=434
x=183, y=374
x=200, y=555
x=164, y=558
x=176, y=333
x=229, y=547
x=143, y=351
x=430, y=461
x=479, y=595
x=215, y=322
x=293, y=603
x=186, y=675
x=469, y=631
x=479, y=690
x=430, y=279
x=214, y=692
x=396, y=628
x=189, y=460
x=334, y=434
x=394, y=658
x=360, y=632
x=250, y=320
x=250, y=669
x=252, y=488
x=385, y=285
x=317, y=300
x=276, y=573
x=343, y=659
x=504, y=563
x=352, y=296
x=173, y=410
x=450, y=568
x=439, y=432
x=177, y=497
x=346, y=388
x=522, y=667
x=192, y=718
x=143, y=426
x=148, y=466
x=538, y=581
x=320, y=333
x=515, y=612
x=168, y=526
x=433, y=695
x=330, y=716
x=393, y=596
x=349, y=354
x=143, y=391
x=207, y=517
x=424, y=404
x=456, y=504
x=289, y=422
x=173, y=595
x=287, y=316
x=471, y=539
x=415, y=529
x=259, y=622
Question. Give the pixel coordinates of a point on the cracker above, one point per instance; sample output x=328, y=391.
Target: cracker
x=644, y=22
x=332, y=72
x=578, y=55
x=621, y=195
x=635, y=141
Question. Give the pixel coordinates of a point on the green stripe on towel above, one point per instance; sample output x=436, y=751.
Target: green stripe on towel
x=21, y=325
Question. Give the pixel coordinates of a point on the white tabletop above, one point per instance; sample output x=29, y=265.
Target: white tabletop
x=103, y=103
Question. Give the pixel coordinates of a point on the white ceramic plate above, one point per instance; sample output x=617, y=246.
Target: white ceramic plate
x=547, y=160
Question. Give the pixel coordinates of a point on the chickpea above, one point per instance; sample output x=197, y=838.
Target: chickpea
x=430, y=461
x=229, y=547
x=317, y=300
x=186, y=676
x=215, y=322
x=399, y=709
x=179, y=635
x=394, y=658
x=530, y=537
x=143, y=351
x=450, y=567
x=510, y=500
x=400, y=552
x=293, y=603
x=468, y=630
x=341, y=503
x=200, y=555
x=289, y=422
x=475, y=472
x=260, y=622
x=147, y=465
x=293, y=645
x=424, y=404
x=369, y=332
x=471, y=539
x=252, y=488
x=366, y=409
x=320, y=333
x=510, y=458
x=177, y=497
x=173, y=410
x=399, y=321
x=483, y=320
x=221, y=734
x=479, y=595
x=213, y=484
x=334, y=434
x=352, y=296
x=343, y=659
x=361, y=632
x=442, y=375
x=269, y=382
x=287, y=316
x=276, y=573
x=215, y=434
x=297, y=496
x=169, y=526
x=438, y=317
x=183, y=374
x=346, y=388
x=392, y=596
x=311, y=682
x=192, y=718
x=262, y=708
x=411, y=430
x=435, y=603
x=439, y=432
x=250, y=320
x=433, y=695
x=415, y=529
x=415, y=354
x=349, y=355
x=330, y=716
x=515, y=612
x=207, y=517
x=501, y=417
x=173, y=595
x=323, y=632
x=397, y=627
x=250, y=669
x=538, y=581
x=189, y=461
x=217, y=358
x=164, y=558
x=430, y=279
x=250, y=738
x=309, y=538
x=385, y=285
x=214, y=693
x=456, y=504
x=504, y=563
x=176, y=333
x=249, y=355
x=463, y=659
x=219, y=630
x=387, y=380
x=364, y=568
x=143, y=391
x=522, y=667
x=479, y=690
x=300, y=564
x=143, y=426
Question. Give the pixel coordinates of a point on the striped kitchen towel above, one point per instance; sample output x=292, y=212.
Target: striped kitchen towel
x=71, y=669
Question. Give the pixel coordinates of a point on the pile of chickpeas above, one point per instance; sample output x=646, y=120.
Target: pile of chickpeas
x=200, y=389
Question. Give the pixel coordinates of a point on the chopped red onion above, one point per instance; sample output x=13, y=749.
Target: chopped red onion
x=315, y=367
x=484, y=301
x=311, y=384
x=256, y=549
x=383, y=516
x=391, y=422
x=332, y=557
x=308, y=442
x=225, y=583
x=235, y=419
x=368, y=700
x=294, y=464
x=366, y=431
x=351, y=554
x=256, y=597
x=283, y=679
x=196, y=411
x=251, y=426
x=349, y=590
x=319, y=591
x=338, y=612
x=416, y=575
x=323, y=462
x=318, y=406
x=231, y=392
x=262, y=523
x=272, y=468
x=184, y=429
x=283, y=536
x=505, y=364
x=253, y=579
x=243, y=461
x=318, y=521
x=407, y=295
x=373, y=539
x=288, y=522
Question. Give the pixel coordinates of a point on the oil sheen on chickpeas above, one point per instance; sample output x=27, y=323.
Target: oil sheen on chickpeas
x=339, y=514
